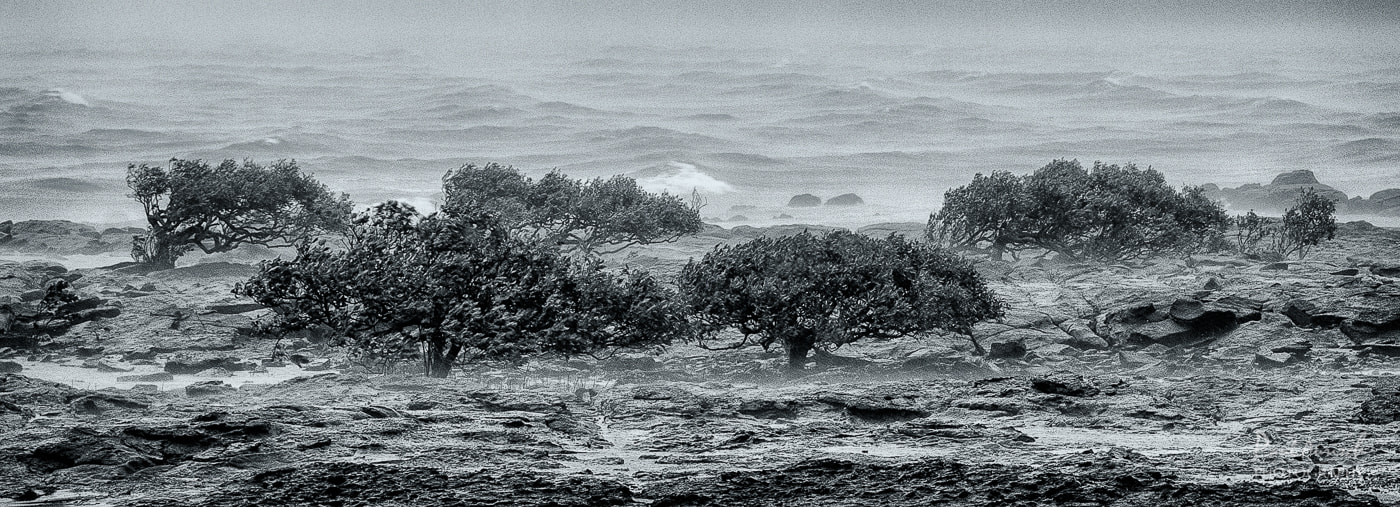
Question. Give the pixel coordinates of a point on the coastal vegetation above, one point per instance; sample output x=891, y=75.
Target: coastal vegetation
x=817, y=292
x=216, y=208
x=1106, y=213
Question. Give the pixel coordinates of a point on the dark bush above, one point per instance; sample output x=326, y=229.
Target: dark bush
x=1109, y=213
x=597, y=216
x=217, y=208
x=807, y=291
x=443, y=289
x=1310, y=221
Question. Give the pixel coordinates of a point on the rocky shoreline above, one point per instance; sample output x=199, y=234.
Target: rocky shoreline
x=1213, y=380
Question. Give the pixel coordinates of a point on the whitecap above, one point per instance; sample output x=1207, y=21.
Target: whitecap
x=683, y=179
x=67, y=96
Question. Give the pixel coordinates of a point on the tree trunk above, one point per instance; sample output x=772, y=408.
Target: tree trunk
x=154, y=248
x=998, y=251
x=439, y=358
x=797, y=348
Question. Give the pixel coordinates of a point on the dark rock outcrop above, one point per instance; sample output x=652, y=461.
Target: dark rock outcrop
x=845, y=200
x=804, y=201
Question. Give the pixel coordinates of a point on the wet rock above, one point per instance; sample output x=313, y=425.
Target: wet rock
x=1212, y=284
x=1167, y=332
x=925, y=428
x=361, y=484
x=187, y=366
x=380, y=412
x=101, y=402
x=1196, y=315
x=1270, y=359
x=1006, y=350
x=80, y=305
x=208, y=388
x=1382, y=408
x=1101, y=481
x=1346, y=272
x=769, y=409
x=1064, y=384
x=234, y=308
x=521, y=401
x=1372, y=324
x=1304, y=313
x=1081, y=336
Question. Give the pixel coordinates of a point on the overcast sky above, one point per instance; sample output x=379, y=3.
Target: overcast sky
x=197, y=24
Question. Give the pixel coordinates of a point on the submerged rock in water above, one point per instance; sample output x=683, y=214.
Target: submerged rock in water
x=847, y=199
x=804, y=201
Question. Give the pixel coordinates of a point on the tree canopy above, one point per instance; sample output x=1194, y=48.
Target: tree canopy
x=597, y=215
x=806, y=291
x=1109, y=213
x=216, y=208
x=1310, y=221
x=444, y=288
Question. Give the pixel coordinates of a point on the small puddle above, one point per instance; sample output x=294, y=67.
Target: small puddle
x=889, y=451
x=73, y=374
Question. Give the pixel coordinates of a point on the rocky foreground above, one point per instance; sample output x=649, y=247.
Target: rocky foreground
x=1214, y=380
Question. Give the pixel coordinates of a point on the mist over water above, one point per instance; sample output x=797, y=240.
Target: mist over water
x=748, y=106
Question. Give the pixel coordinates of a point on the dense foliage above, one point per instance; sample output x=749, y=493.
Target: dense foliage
x=216, y=208
x=808, y=291
x=1108, y=213
x=443, y=289
x=1310, y=221
x=597, y=216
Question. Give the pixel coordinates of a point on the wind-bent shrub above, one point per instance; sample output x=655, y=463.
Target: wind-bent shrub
x=443, y=289
x=217, y=208
x=807, y=291
x=1109, y=213
x=1310, y=221
x=1251, y=230
x=593, y=216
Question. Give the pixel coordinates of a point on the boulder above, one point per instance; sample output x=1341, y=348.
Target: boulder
x=1167, y=332
x=1064, y=384
x=845, y=200
x=1196, y=315
x=804, y=201
x=188, y=366
x=1304, y=313
x=1006, y=350
x=1372, y=324
x=207, y=388
x=1081, y=336
x=11, y=367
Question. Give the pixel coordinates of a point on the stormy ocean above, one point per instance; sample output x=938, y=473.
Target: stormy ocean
x=745, y=126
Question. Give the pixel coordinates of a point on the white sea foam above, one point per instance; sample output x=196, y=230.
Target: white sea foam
x=67, y=96
x=684, y=179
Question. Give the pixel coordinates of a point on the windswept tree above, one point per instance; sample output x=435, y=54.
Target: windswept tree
x=216, y=208
x=1109, y=213
x=1310, y=221
x=592, y=216
x=810, y=292
x=445, y=289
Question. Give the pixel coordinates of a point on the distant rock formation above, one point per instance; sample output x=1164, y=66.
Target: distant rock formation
x=804, y=201
x=845, y=200
x=1280, y=194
